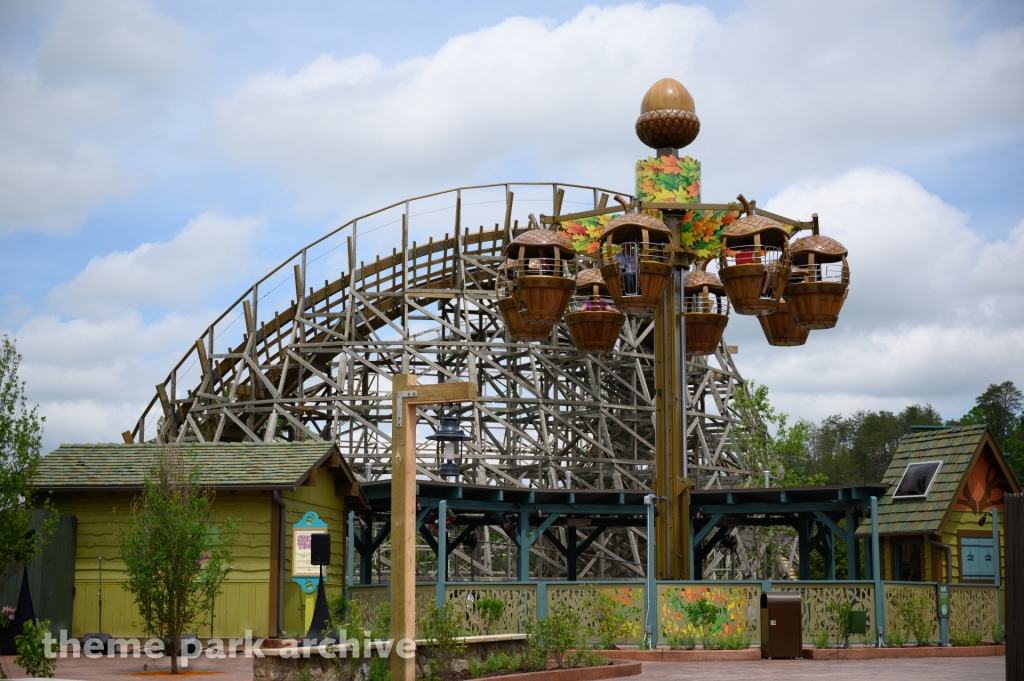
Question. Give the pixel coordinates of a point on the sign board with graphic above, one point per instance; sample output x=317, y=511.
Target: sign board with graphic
x=304, y=573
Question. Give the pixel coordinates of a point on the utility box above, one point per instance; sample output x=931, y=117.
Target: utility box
x=782, y=617
x=859, y=622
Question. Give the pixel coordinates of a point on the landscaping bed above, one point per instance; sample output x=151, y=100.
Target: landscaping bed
x=888, y=653
x=667, y=655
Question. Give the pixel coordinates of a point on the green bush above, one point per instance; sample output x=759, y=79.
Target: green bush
x=490, y=611
x=894, y=638
x=702, y=615
x=971, y=637
x=610, y=625
x=841, y=613
x=443, y=630
x=736, y=640
x=821, y=639
x=33, y=655
x=348, y=620
x=560, y=631
x=682, y=640
x=917, y=612
x=998, y=635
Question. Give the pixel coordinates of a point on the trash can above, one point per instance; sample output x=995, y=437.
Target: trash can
x=782, y=617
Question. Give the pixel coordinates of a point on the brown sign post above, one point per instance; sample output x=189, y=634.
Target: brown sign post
x=407, y=396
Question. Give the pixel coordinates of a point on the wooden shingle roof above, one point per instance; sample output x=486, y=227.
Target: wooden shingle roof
x=283, y=465
x=955, y=447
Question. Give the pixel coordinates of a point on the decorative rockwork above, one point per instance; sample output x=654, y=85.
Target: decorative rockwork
x=520, y=605
x=738, y=608
x=630, y=599
x=896, y=598
x=973, y=609
x=815, y=599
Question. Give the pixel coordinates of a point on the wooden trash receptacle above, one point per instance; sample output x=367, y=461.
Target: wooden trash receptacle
x=782, y=616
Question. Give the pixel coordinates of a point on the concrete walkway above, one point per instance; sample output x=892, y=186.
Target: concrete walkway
x=130, y=669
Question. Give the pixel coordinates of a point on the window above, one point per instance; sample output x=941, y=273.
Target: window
x=977, y=558
x=906, y=558
x=917, y=480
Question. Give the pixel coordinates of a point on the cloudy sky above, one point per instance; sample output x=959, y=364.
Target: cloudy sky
x=157, y=157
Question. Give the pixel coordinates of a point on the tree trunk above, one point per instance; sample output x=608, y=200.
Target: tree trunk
x=175, y=647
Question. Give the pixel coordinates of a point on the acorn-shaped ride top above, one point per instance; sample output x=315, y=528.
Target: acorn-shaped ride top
x=820, y=280
x=754, y=263
x=668, y=118
x=706, y=310
x=509, y=305
x=593, y=321
x=636, y=260
x=545, y=273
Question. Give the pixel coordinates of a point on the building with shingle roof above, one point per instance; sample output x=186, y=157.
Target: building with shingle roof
x=935, y=517
x=268, y=488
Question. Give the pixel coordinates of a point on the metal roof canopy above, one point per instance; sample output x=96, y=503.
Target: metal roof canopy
x=803, y=508
x=486, y=498
x=523, y=515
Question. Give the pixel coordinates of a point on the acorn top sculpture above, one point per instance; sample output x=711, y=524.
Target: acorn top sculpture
x=668, y=118
x=816, y=248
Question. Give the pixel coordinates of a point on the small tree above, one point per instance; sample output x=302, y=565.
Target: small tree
x=443, y=630
x=702, y=615
x=491, y=610
x=21, y=438
x=175, y=558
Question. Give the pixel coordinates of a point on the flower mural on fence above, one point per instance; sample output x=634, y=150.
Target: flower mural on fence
x=737, y=609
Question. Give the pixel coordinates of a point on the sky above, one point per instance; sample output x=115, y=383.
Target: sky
x=156, y=158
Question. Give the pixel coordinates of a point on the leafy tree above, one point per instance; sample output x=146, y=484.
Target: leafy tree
x=21, y=436
x=859, y=448
x=784, y=453
x=175, y=558
x=1001, y=407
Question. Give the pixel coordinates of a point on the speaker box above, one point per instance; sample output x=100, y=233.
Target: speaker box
x=320, y=553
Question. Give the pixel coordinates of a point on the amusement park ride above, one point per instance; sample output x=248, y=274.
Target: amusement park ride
x=594, y=339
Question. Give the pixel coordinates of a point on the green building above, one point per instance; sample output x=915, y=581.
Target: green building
x=268, y=488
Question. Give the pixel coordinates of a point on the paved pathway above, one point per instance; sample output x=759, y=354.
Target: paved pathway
x=130, y=669
x=240, y=669
x=934, y=669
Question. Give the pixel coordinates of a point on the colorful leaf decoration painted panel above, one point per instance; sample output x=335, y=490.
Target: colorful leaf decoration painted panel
x=677, y=180
x=585, y=233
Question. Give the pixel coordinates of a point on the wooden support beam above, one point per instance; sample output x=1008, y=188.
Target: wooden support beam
x=407, y=395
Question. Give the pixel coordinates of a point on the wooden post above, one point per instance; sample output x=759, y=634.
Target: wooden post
x=407, y=395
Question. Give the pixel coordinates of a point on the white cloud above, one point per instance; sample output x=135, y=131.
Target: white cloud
x=209, y=252
x=92, y=378
x=119, y=326
x=98, y=68
x=934, y=313
x=565, y=97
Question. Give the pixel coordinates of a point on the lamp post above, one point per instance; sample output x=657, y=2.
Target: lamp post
x=407, y=396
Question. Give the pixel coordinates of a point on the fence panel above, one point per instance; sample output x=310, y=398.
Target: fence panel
x=628, y=595
x=520, y=605
x=973, y=609
x=900, y=600
x=739, y=605
x=816, y=597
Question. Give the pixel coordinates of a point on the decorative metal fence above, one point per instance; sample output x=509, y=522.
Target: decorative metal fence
x=973, y=607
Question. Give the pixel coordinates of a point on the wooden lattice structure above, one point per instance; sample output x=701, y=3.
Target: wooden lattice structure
x=410, y=289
